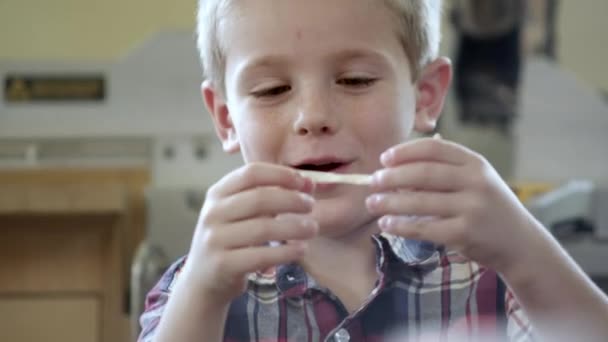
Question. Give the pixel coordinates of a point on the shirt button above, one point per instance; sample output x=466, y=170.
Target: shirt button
x=342, y=335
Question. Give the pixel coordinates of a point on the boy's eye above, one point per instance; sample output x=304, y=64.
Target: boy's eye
x=356, y=81
x=270, y=92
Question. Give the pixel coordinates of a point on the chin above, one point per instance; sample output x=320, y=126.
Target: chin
x=341, y=215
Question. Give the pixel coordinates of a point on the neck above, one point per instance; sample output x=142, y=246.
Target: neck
x=330, y=260
x=355, y=247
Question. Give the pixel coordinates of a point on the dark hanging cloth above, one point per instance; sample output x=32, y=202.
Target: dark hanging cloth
x=488, y=60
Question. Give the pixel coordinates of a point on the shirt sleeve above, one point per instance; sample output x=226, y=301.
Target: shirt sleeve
x=519, y=328
x=156, y=300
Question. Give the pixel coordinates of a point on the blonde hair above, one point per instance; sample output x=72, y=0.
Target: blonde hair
x=419, y=23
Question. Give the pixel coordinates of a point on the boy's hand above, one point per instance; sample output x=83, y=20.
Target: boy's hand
x=238, y=220
x=464, y=203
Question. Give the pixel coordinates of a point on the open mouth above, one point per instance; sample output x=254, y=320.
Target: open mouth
x=323, y=167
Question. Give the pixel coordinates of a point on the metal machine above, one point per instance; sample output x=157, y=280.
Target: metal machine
x=577, y=215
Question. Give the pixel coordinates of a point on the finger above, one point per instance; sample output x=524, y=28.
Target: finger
x=259, y=174
x=437, y=230
x=427, y=149
x=263, y=201
x=246, y=260
x=260, y=231
x=416, y=203
x=432, y=176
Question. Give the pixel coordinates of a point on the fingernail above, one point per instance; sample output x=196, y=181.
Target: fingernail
x=374, y=200
x=275, y=243
x=307, y=198
x=386, y=223
x=387, y=156
x=377, y=177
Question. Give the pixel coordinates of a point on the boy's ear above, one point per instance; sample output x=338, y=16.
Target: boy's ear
x=224, y=127
x=431, y=90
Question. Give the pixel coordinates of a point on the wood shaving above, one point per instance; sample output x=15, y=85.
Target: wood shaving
x=329, y=177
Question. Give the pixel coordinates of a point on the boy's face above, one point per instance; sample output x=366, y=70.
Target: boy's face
x=321, y=85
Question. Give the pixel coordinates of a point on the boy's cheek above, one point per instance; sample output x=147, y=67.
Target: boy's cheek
x=259, y=145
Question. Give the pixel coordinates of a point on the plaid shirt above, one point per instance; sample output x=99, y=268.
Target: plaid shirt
x=423, y=293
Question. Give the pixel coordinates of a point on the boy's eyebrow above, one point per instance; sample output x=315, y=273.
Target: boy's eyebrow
x=262, y=62
x=283, y=60
x=359, y=53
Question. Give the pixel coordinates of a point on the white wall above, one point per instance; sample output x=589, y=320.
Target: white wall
x=184, y=168
x=583, y=45
x=154, y=93
x=155, y=90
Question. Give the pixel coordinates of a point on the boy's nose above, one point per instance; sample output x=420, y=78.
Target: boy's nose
x=316, y=118
x=314, y=129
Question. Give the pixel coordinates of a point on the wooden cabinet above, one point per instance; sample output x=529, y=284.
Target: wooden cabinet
x=62, y=318
x=64, y=247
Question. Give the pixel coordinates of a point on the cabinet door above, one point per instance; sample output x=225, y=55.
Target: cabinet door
x=57, y=319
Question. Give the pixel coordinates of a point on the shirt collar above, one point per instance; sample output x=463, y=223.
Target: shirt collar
x=411, y=252
x=292, y=280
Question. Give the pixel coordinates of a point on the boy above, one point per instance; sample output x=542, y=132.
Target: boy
x=339, y=85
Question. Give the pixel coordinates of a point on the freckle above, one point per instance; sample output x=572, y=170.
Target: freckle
x=299, y=35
